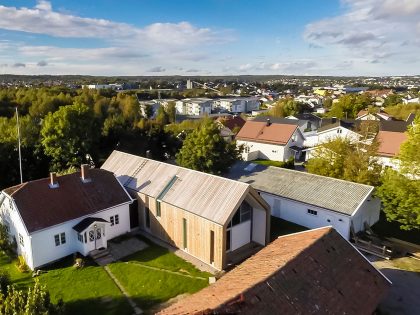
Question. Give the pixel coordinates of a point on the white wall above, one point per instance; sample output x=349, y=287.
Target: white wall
x=331, y=134
x=265, y=151
x=368, y=212
x=258, y=226
x=240, y=235
x=43, y=243
x=9, y=213
x=389, y=162
x=297, y=212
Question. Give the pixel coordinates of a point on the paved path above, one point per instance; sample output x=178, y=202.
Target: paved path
x=137, y=310
x=165, y=270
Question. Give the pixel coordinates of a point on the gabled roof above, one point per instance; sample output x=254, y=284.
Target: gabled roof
x=211, y=197
x=393, y=125
x=273, y=133
x=390, y=142
x=232, y=122
x=41, y=206
x=85, y=223
x=331, y=123
x=312, y=272
x=321, y=191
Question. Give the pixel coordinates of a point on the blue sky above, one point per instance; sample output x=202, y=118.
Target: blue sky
x=217, y=37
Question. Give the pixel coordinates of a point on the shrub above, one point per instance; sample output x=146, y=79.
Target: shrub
x=4, y=281
x=21, y=264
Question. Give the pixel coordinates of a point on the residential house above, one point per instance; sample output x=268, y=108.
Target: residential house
x=312, y=101
x=311, y=272
x=276, y=140
x=55, y=217
x=307, y=122
x=311, y=200
x=389, y=147
x=206, y=216
x=366, y=115
x=194, y=106
x=414, y=100
x=229, y=126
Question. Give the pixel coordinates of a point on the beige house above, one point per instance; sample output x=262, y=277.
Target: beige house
x=209, y=217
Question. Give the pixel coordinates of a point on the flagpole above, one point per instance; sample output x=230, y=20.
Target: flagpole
x=20, y=154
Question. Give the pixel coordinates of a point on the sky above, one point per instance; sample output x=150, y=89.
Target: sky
x=210, y=37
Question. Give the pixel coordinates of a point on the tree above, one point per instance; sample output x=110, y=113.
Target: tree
x=344, y=159
x=205, y=150
x=162, y=117
x=68, y=134
x=400, y=191
x=36, y=301
x=171, y=111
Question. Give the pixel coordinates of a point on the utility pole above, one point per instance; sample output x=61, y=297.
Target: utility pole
x=20, y=154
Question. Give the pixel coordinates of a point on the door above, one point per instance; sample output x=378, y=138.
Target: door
x=147, y=217
x=134, y=215
x=276, y=208
x=96, y=236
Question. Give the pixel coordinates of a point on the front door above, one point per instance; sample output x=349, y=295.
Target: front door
x=134, y=215
x=96, y=235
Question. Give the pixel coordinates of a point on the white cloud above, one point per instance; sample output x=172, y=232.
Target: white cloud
x=369, y=29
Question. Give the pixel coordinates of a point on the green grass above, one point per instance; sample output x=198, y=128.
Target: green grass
x=159, y=257
x=85, y=291
x=392, y=229
x=19, y=279
x=150, y=287
x=269, y=163
x=281, y=227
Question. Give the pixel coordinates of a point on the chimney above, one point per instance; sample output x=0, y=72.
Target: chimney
x=84, y=173
x=268, y=122
x=53, y=180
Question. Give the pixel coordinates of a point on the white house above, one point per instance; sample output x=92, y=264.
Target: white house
x=415, y=100
x=270, y=140
x=311, y=200
x=194, y=106
x=55, y=217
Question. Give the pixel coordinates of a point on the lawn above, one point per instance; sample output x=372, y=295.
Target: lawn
x=281, y=227
x=90, y=290
x=269, y=163
x=149, y=287
x=392, y=229
x=87, y=290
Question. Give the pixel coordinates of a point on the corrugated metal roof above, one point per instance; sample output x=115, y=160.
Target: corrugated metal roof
x=325, y=192
x=209, y=196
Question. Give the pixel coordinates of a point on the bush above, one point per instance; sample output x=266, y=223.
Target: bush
x=21, y=264
x=4, y=281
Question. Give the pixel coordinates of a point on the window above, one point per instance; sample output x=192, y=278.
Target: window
x=85, y=238
x=246, y=149
x=7, y=226
x=63, y=238
x=312, y=212
x=80, y=238
x=241, y=215
x=339, y=131
x=91, y=236
x=21, y=240
x=274, y=151
x=184, y=225
x=147, y=214
x=60, y=239
x=227, y=240
x=211, y=247
x=115, y=219
x=158, y=211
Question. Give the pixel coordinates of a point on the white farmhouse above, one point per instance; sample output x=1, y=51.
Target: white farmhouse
x=270, y=140
x=55, y=217
x=194, y=106
x=311, y=200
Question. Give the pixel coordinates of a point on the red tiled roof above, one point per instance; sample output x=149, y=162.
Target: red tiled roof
x=390, y=142
x=311, y=272
x=41, y=206
x=274, y=133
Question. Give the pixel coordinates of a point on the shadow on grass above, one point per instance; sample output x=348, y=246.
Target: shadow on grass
x=103, y=306
x=281, y=227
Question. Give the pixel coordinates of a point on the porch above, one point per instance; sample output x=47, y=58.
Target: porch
x=91, y=235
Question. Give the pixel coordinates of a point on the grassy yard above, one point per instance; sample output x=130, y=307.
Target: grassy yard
x=281, y=227
x=392, y=229
x=268, y=163
x=149, y=287
x=90, y=290
x=87, y=290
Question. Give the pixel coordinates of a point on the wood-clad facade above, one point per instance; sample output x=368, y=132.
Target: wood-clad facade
x=205, y=215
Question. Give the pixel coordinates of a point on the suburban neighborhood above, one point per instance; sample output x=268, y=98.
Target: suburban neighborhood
x=211, y=157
